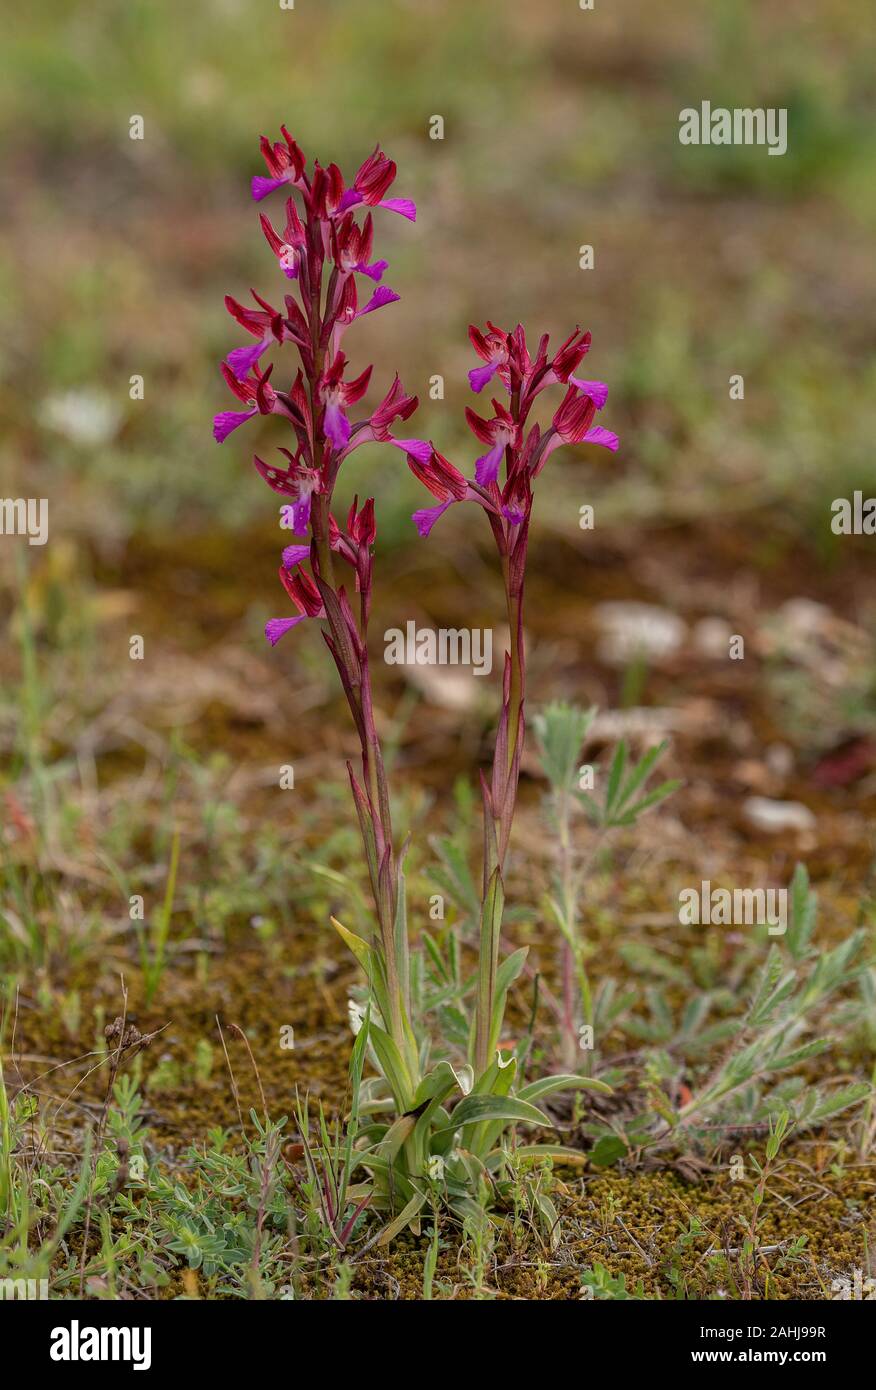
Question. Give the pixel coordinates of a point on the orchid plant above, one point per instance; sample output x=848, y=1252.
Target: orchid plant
x=429, y=1120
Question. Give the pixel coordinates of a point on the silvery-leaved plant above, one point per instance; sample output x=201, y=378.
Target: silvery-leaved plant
x=431, y=1122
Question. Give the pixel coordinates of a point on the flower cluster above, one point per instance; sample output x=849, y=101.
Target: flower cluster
x=323, y=250
x=505, y=435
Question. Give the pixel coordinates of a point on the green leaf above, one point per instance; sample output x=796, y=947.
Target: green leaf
x=607, y=1151
x=510, y=968
x=641, y=772
x=404, y=1218
x=804, y=906
x=547, y=1085
x=391, y=1064
x=616, y=772
x=488, y=960
x=537, y=1153
x=659, y=794
x=400, y=936
x=505, y=975
x=475, y=1109
x=560, y=730
x=800, y=1054
x=839, y=1100
x=398, y=1132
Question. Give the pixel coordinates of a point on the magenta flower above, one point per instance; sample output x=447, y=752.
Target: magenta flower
x=347, y=307
x=266, y=324
x=396, y=405
x=254, y=392
x=352, y=247
x=322, y=249
x=305, y=595
x=568, y=357
x=573, y=422
x=297, y=482
x=285, y=165
x=444, y=481
x=289, y=248
x=335, y=394
x=295, y=555
x=596, y=390
x=508, y=502
x=499, y=433
x=493, y=348
x=372, y=182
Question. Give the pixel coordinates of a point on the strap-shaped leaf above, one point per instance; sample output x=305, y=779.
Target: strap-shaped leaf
x=474, y=1109
x=547, y=1085
x=537, y=1153
x=408, y=1214
x=491, y=927
x=391, y=1064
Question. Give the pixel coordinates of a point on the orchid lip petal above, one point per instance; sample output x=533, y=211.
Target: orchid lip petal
x=381, y=296
x=479, y=376
x=261, y=186
x=337, y=426
x=301, y=515
x=597, y=435
x=421, y=450
x=275, y=628
x=487, y=467
x=294, y=555
x=375, y=271
x=404, y=206
x=596, y=390
x=243, y=358
x=425, y=518
x=228, y=420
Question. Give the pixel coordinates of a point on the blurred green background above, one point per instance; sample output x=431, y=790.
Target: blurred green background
x=560, y=129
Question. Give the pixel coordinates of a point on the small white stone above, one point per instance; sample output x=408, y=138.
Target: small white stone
x=711, y=637
x=631, y=630
x=775, y=816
